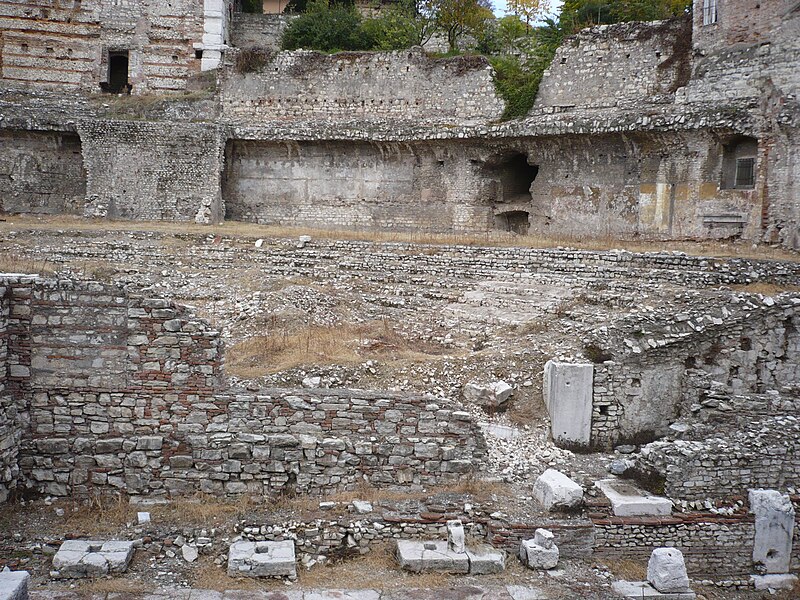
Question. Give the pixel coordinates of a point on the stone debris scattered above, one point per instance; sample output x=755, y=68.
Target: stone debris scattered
x=489, y=396
x=556, y=491
x=540, y=552
x=78, y=558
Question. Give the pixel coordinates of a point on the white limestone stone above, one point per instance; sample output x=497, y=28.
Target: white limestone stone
x=81, y=558
x=666, y=571
x=642, y=589
x=262, y=559
x=774, y=581
x=540, y=552
x=629, y=501
x=567, y=393
x=491, y=395
x=544, y=538
x=426, y=557
x=455, y=537
x=772, y=547
x=554, y=490
x=14, y=585
x=485, y=560
x=362, y=507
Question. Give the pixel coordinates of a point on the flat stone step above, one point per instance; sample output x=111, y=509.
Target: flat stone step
x=629, y=501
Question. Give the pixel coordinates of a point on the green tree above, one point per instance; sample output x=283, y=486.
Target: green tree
x=529, y=10
x=399, y=27
x=577, y=14
x=328, y=29
x=456, y=17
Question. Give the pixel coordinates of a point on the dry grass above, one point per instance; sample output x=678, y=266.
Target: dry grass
x=766, y=289
x=99, y=515
x=281, y=348
x=253, y=231
x=627, y=569
x=14, y=263
x=113, y=585
x=201, y=510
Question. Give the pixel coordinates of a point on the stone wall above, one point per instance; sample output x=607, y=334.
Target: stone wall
x=657, y=186
x=405, y=85
x=126, y=393
x=354, y=185
x=738, y=443
x=66, y=44
x=41, y=172
x=660, y=365
x=618, y=66
x=178, y=181
x=10, y=431
x=250, y=30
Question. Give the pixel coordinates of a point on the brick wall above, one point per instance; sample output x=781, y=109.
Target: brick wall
x=41, y=172
x=405, y=85
x=126, y=393
x=618, y=65
x=180, y=180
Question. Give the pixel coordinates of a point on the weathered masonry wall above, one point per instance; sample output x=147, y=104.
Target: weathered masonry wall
x=714, y=547
x=125, y=393
x=350, y=86
x=66, y=44
x=41, y=172
x=655, y=375
x=152, y=170
x=659, y=185
x=10, y=431
x=251, y=30
x=352, y=184
x=618, y=66
x=744, y=442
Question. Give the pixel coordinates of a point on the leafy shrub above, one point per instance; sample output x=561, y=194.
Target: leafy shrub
x=327, y=29
x=395, y=29
x=252, y=60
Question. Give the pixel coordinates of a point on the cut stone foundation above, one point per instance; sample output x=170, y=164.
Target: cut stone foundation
x=78, y=558
x=629, y=501
x=262, y=559
x=14, y=585
x=437, y=557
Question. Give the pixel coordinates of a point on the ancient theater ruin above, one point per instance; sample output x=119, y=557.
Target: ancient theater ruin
x=314, y=325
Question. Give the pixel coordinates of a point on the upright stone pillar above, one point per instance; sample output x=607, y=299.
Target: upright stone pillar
x=567, y=392
x=772, y=549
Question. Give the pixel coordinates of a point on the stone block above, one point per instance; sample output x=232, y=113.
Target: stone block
x=567, y=390
x=490, y=395
x=772, y=547
x=774, y=581
x=554, y=491
x=485, y=560
x=629, y=501
x=262, y=559
x=14, y=585
x=80, y=558
x=426, y=557
x=642, y=589
x=455, y=537
x=540, y=552
x=666, y=571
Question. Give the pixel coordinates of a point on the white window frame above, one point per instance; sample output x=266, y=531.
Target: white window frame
x=709, y=12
